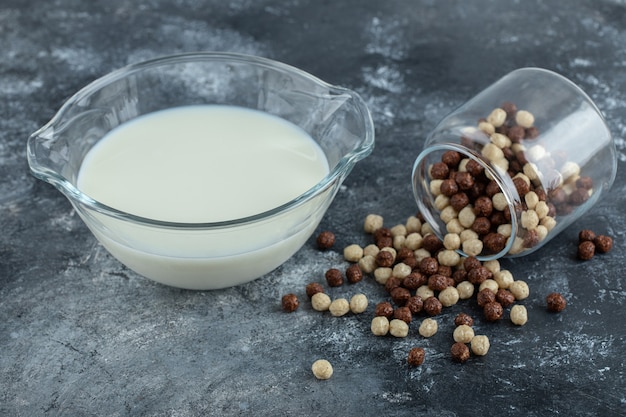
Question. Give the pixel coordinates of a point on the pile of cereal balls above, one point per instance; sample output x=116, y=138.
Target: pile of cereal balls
x=421, y=277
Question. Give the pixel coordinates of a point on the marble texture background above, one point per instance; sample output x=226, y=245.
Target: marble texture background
x=80, y=335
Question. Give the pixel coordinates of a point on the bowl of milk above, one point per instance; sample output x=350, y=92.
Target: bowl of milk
x=203, y=170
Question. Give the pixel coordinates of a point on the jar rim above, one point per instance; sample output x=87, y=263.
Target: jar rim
x=504, y=182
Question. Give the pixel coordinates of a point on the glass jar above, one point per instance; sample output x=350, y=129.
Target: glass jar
x=514, y=166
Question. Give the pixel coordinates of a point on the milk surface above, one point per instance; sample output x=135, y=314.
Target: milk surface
x=204, y=163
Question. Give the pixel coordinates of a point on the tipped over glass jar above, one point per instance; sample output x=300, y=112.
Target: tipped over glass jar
x=514, y=166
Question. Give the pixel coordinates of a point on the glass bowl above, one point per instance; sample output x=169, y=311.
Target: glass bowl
x=216, y=254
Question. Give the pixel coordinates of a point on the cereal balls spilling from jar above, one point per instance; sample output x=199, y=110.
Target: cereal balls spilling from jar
x=543, y=185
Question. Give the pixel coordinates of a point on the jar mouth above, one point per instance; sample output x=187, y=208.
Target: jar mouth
x=426, y=200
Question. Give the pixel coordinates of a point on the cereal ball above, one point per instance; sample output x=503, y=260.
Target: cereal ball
x=459, y=200
x=494, y=242
x=414, y=280
x=505, y=297
x=439, y=171
x=401, y=270
x=519, y=289
x=431, y=243
x=497, y=117
x=489, y=284
x=519, y=315
x=480, y=345
x=493, y=265
x=463, y=333
x=504, y=278
x=322, y=369
x=478, y=275
x=432, y=306
x=398, y=230
x=400, y=295
x=334, y=277
x=414, y=304
x=424, y=292
x=352, y=253
x=384, y=309
x=381, y=275
x=398, y=328
x=463, y=318
x=380, y=326
x=413, y=241
x=313, y=288
x=603, y=243
x=585, y=235
x=372, y=223
x=493, y=311
x=320, y=301
x=429, y=266
x=428, y=327
x=358, y=303
x=449, y=296
x=465, y=289
x=404, y=314
x=555, y=302
x=524, y=119
x=586, y=250
x=416, y=356
x=413, y=224
x=451, y=158
x=448, y=188
x=354, y=274
x=437, y=282
x=290, y=303
x=448, y=257
x=325, y=240
x=460, y=352
x=367, y=264
x=485, y=297
x=472, y=247
x=452, y=241
x=339, y=307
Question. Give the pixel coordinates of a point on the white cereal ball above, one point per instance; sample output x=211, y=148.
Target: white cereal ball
x=480, y=345
x=467, y=216
x=499, y=202
x=447, y=214
x=448, y=257
x=490, y=284
x=524, y=118
x=468, y=234
x=322, y=369
x=449, y=296
x=398, y=328
x=420, y=254
x=320, y=301
x=428, y=327
x=339, y=307
x=413, y=224
x=473, y=247
x=367, y=264
x=382, y=274
x=519, y=289
x=352, y=253
x=529, y=219
x=435, y=187
x=452, y=241
x=463, y=334
x=519, y=315
x=504, y=278
x=413, y=241
x=492, y=152
x=497, y=117
x=358, y=303
x=487, y=127
x=401, y=270
x=424, y=292
x=380, y=326
x=492, y=265
x=441, y=202
x=372, y=223
x=465, y=289
x=454, y=226
x=371, y=250
x=398, y=230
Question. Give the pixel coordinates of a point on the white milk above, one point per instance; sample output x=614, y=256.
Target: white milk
x=204, y=164
x=199, y=164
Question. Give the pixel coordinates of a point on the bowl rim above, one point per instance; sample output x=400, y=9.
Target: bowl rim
x=342, y=169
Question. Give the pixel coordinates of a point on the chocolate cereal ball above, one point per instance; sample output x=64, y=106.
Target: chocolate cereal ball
x=290, y=303
x=432, y=306
x=384, y=309
x=313, y=288
x=586, y=250
x=460, y=352
x=493, y=311
x=603, y=243
x=325, y=240
x=555, y=302
x=416, y=356
x=463, y=318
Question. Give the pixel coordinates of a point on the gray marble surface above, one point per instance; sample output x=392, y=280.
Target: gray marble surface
x=81, y=335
